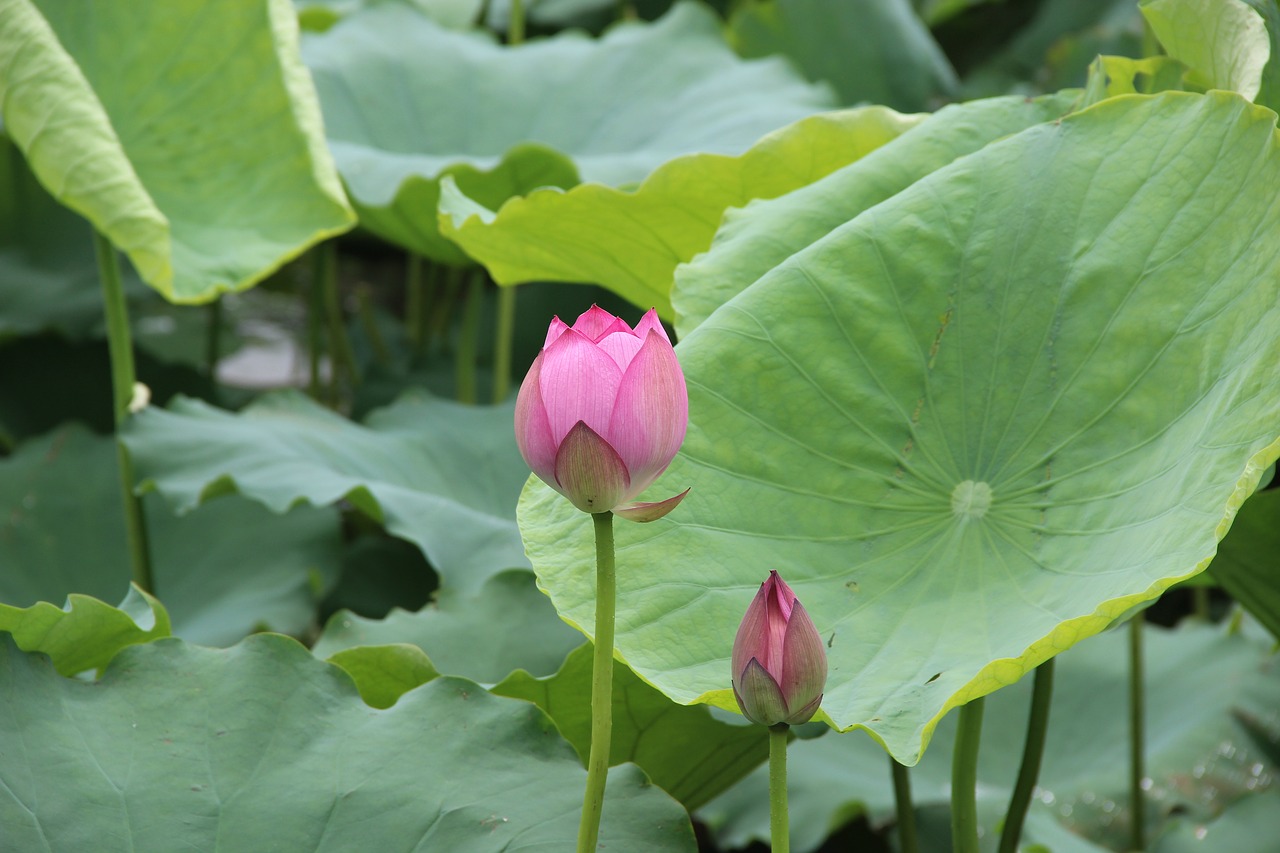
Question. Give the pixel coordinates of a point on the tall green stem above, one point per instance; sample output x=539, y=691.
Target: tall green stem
x=123, y=378
x=601, y=686
x=515, y=27
x=339, y=344
x=315, y=324
x=908, y=840
x=415, y=301
x=469, y=342
x=1137, y=736
x=779, y=820
x=214, y=340
x=964, y=779
x=1032, y=752
x=502, y=346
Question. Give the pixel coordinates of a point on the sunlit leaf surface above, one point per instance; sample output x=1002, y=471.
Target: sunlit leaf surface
x=187, y=132
x=263, y=747
x=973, y=425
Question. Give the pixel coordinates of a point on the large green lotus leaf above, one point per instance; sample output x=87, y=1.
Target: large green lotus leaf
x=1203, y=761
x=1248, y=562
x=1224, y=43
x=684, y=750
x=187, y=132
x=878, y=52
x=754, y=240
x=631, y=240
x=1250, y=827
x=263, y=747
x=974, y=425
x=508, y=624
x=63, y=533
x=406, y=102
x=443, y=475
x=85, y=633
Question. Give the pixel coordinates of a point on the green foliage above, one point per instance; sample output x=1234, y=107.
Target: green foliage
x=208, y=175
x=440, y=474
x=1233, y=55
x=1206, y=764
x=1248, y=562
x=262, y=746
x=588, y=233
x=401, y=97
x=62, y=533
x=684, y=750
x=877, y=52
x=975, y=403
x=506, y=625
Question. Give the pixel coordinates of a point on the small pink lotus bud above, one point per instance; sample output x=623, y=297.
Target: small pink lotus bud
x=603, y=411
x=779, y=664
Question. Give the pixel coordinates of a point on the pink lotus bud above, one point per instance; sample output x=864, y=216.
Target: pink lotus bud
x=779, y=664
x=602, y=412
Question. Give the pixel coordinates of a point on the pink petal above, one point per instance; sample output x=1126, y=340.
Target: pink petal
x=555, y=330
x=579, y=382
x=589, y=472
x=649, y=419
x=596, y=322
x=783, y=596
x=752, y=639
x=533, y=430
x=650, y=322
x=649, y=510
x=621, y=346
x=804, y=672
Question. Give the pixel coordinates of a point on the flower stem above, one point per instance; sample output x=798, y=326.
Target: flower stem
x=1137, y=736
x=1032, y=752
x=123, y=377
x=964, y=779
x=213, y=342
x=601, y=686
x=515, y=26
x=339, y=344
x=779, y=829
x=908, y=841
x=469, y=342
x=502, y=343
x=415, y=301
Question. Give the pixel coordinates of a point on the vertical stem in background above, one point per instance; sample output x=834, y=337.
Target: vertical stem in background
x=213, y=339
x=415, y=301
x=515, y=26
x=908, y=840
x=601, y=686
x=502, y=343
x=779, y=822
x=340, y=351
x=964, y=779
x=1137, y=735
x=315, y=323
x=1032, y=752
x=369, y=323
x=438, y=320
x=123, y=377
x=1200, y=602
x=469, y=341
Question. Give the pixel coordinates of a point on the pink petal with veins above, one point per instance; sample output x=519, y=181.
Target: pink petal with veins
x=578, y=382
x=533, y=430
x=651, y=415
x=596, y=322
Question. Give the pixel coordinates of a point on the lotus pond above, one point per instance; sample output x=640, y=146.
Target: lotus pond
x=975, y=309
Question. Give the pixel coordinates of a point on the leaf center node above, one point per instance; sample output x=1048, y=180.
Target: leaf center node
x=971, y=499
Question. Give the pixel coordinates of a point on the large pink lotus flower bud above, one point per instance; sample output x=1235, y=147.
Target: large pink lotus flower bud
x=779, y=664
x=602, y=412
